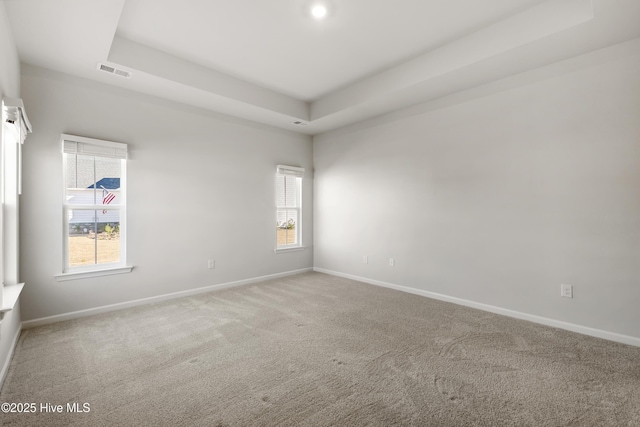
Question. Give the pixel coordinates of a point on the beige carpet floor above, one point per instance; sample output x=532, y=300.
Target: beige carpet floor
x=317, y=350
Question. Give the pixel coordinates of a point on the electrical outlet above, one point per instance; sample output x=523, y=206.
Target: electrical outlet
x=566, y=291
x=365, y=259
x=211, y=263
x=392, y=262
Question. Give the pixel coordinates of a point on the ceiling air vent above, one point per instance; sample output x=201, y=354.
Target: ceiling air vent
x=299, y=123
x=113, y=70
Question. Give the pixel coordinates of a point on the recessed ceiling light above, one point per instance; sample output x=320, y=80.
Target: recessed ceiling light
x=319, y=11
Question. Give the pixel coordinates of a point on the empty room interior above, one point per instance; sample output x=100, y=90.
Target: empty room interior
x=320, y=213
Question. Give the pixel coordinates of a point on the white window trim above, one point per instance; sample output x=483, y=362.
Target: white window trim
x=289, y=248
x=14, y=121
x=104, y=271
x=298, y=172
x=72, y=144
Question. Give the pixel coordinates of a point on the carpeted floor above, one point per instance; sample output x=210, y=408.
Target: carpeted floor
x=317, y=350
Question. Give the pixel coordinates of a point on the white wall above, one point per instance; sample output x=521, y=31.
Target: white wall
x=498, y=200
x=9, y=64
x=9, y=86
x=176, y=154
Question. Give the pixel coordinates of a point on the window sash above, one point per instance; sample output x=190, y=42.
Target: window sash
x=296, y=230
x=67, y=267
x=95, y=265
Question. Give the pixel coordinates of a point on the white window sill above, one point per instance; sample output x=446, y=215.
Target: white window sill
x=85, y=274
x=293, y=249
x=10, y=295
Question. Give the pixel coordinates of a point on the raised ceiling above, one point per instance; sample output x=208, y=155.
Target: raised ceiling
x=271, y=62
x=277, y=45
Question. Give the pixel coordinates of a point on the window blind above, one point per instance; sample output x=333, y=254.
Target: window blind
x=290, y=171
x=15, y=118
x=93, y=147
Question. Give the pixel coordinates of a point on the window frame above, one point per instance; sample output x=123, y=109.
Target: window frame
x=96, y=148
x=14, y=127
x=298, y=173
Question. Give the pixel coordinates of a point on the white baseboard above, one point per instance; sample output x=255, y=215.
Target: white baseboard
x=7, y=363
x=585, y=330
x=119, y=306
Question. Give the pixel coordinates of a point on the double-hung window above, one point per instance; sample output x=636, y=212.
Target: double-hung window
x=13, y=129
x=94, y=205
x=288, y=207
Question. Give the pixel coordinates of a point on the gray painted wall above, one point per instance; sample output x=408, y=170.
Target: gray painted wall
x=9, y=86
x=176, y=154
x=500, y=199
x=10, y=64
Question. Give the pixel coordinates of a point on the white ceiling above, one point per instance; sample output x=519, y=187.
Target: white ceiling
x=271, y=62
x=277, y=45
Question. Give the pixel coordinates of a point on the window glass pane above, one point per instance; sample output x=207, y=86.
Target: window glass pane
x=80, y=196
x=85, y=174
x=287, y=191
x=71, y=170
x=291, y=199
x=108, y=173
x=94, y=236
x=108, y=241
x=93, y=180
x=80, y=176
x=109, y=197
x=286, y=229
x=280, y=200
x=82, y=231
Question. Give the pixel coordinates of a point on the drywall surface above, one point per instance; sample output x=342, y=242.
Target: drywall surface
x=200, y=186
x=9, y=62
x=498, y=200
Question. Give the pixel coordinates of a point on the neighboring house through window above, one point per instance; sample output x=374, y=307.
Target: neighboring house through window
x=94, y=226
x=289, y=207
